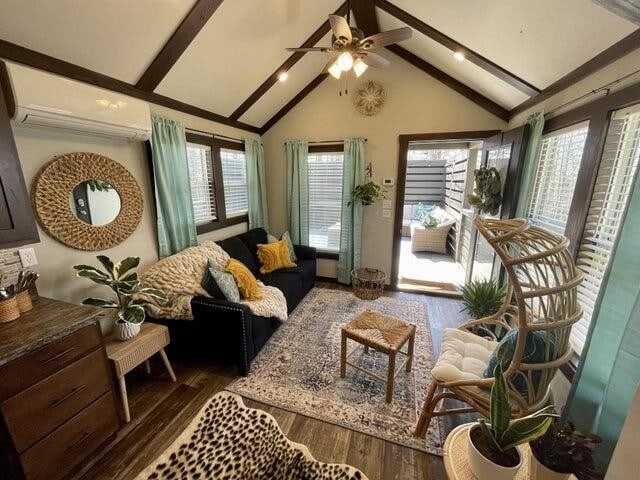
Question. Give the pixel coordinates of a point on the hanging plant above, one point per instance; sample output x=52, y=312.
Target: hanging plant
x=487, y=194
x=367, y=193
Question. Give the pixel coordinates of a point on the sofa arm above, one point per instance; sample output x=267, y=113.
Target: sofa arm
x=232, y=324
x=304, y=252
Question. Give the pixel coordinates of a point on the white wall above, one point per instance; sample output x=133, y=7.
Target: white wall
x=416, y=103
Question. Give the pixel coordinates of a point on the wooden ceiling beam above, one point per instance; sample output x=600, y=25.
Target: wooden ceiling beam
x=474, y=57
x=190, y=26
x=286, y=65
x=618, y=50
x=451, y=82
x=364, y=12
x=293, y=102
x=31, y=58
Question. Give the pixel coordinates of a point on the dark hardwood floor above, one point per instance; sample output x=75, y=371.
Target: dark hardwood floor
x=160, y=410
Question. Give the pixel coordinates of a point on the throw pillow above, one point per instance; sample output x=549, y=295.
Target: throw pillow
x=271, y=238
x=220, y=284
x=534, y=352
x=292, y=253
x=274, y=256
x=247, y=283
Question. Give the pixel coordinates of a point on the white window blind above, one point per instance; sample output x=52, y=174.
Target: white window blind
x=234, y=179
x=556, y=174
x=201, y=179
x=325, y=200
x=612, y=190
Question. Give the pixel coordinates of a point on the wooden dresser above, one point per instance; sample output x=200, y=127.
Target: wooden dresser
x=57, y=401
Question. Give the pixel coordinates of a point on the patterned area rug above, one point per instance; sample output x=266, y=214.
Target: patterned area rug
x=299, y=370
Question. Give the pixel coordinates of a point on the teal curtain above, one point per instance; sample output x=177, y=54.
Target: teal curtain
x=174, y=210
x=609, y=372
x=298, y=190
x=536, y=125
x=256, y=184
x=351, y=218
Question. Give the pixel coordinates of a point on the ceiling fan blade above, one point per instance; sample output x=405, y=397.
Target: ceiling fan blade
x=309, y=49
x=374, y=60
x=383, y=39
x=340, y=28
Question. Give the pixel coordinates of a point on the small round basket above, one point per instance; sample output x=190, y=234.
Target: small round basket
x=368, y=283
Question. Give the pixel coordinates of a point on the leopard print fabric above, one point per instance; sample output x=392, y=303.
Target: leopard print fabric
x=228, y=441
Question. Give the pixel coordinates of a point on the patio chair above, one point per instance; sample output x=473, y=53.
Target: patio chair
x=541, y=297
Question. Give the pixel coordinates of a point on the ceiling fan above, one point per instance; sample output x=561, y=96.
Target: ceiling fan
x=351, y=49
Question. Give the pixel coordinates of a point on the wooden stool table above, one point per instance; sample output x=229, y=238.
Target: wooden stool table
x=127, y=355
x=384, y=334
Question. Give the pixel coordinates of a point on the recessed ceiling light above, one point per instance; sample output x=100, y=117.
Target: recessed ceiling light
x=459, y=56
x=282, y=76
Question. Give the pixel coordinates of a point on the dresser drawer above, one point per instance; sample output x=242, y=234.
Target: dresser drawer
x=38, y=410
x=58, y=453
x=33, y=367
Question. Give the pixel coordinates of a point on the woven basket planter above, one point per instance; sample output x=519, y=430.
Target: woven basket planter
x=368, y=283
x=9, y=310
x=24, y=302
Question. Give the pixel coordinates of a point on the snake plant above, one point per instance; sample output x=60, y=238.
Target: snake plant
x=120, y=277
x=501, y=432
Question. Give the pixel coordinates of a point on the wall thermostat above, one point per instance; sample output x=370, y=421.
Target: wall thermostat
x=388, y=182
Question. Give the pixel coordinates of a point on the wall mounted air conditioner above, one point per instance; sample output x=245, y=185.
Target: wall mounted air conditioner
x=45, y=100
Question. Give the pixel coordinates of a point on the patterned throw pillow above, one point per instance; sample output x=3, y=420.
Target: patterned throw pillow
x=271, y=238
x=220, y=284
x=274, y=256
x=246, y=282
x=292, y=253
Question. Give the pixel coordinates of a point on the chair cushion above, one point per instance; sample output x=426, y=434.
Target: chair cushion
x=251, y=239
x=247, y=283
x=463, y=356
x=274, y=256
x=237, y=249
x=306, y=270
x=289, y=284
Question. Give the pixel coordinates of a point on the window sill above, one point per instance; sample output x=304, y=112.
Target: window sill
x=327, y=255
x=218, y=224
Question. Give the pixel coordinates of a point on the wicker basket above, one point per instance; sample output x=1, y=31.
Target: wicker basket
x=24, y=301
x=368, y=283
x=9, y=310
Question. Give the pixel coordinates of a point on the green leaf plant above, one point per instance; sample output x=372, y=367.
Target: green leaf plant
x=130, y=296
x=501, y=432
x=487, y=194
x=367, y=193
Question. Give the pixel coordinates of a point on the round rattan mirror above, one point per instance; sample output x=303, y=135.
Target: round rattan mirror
x=69, y=187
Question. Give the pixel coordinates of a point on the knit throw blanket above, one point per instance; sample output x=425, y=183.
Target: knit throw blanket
x=179, y=277
x=227, y=440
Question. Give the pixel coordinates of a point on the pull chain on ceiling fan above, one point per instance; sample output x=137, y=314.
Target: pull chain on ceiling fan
x=350, y=49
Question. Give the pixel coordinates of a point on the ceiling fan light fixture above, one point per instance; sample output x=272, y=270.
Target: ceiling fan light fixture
x=282, y=76
x=359, y=67
x=335, y=70
x=345, y=61
x=459, y=56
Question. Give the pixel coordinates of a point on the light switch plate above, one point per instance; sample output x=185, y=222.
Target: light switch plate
x=28, y=257
x=386, y=203
x=386, y=213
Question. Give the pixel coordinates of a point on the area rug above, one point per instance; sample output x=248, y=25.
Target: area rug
x=299, y=371
x=229, y=441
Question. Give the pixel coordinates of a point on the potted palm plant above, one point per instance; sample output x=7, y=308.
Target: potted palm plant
x=492, y=446
x=563, y=451
x=129, y=294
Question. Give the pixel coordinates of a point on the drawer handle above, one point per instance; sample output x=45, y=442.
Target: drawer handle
x=67, y=396
x=84, y=436
x=58, y=355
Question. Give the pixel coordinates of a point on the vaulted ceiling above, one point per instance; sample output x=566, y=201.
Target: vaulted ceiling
x=222, y=58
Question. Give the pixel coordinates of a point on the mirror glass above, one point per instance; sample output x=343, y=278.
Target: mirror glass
x=95, y=202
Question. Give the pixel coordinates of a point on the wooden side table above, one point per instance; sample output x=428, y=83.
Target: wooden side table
x=127, y=355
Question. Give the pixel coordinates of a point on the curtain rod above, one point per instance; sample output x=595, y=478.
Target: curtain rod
x=604, y=88
x=212, y=135
x=321, y=142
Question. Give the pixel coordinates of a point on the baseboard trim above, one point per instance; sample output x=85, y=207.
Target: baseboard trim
x=326, y=279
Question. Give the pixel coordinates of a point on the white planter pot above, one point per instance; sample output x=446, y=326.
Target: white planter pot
x=125, y=331
x=537, y=471
x=485, y=469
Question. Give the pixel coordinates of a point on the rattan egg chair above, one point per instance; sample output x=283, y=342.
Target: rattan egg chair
x=541, y=296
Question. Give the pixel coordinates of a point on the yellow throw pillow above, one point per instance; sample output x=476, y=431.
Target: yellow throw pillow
x=247, y=283
x=274, y=256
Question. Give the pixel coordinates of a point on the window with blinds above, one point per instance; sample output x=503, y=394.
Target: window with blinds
x=612, y=190
x=234, y=180
x=325, y=200
x=556, y=173
x=201, y=180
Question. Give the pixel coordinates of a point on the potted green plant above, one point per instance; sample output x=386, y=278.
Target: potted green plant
x=130, y=295
x=492, y=446
x=487, y=193
x=482, y=298
x=563, y=451
x=367, y=193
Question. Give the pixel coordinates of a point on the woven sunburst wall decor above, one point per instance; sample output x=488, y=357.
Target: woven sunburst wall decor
x=369, y=98
x=50, y=195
